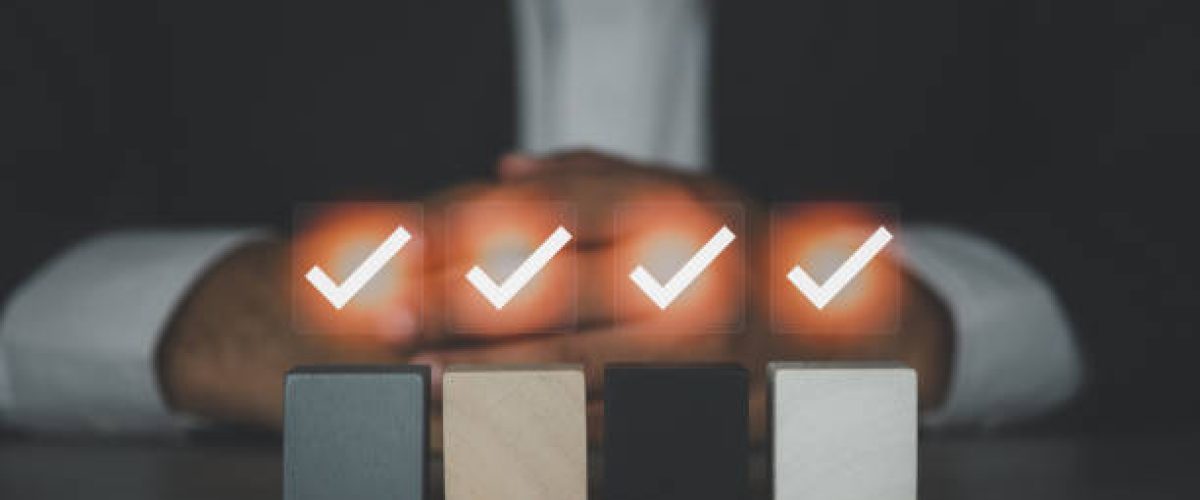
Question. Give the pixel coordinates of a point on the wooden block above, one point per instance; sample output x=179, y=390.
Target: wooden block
x=356, y=432
x=515, y=433
x=843, y=431
x=676, y=432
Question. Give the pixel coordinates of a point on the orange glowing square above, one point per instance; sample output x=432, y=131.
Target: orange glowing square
x=499, y=238
x=819, y=238
x=660, y=239
x=337, y=238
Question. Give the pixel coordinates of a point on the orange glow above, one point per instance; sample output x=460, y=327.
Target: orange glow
x=338, y=238
x=498, y=237
x=819, y=238
x=662, y=237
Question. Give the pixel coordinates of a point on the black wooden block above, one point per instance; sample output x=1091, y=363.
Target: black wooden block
x=356, y=432
x=676, y=432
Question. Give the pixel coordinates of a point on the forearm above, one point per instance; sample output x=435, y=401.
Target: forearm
x=203, y=364
x=230, y=343
x=79, y=335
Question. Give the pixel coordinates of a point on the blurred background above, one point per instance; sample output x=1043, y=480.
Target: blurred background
x=1063, y=131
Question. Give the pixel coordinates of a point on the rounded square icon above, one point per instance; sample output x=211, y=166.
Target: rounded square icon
x=356, y=269
x=833, y=270
x=510, y=268
x=680, y=266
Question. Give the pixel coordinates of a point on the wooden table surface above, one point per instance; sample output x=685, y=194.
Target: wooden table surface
x=232, y=468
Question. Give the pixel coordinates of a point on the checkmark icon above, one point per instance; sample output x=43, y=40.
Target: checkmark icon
x=339, y=295
x=499, y=295
x=664, y=295
x=820, y=295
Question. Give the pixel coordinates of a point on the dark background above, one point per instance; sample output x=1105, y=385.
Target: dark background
x=1066, y=130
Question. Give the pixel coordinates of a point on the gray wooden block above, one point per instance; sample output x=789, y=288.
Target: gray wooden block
x=356, y=432
x=843, y=431
x=515, y=433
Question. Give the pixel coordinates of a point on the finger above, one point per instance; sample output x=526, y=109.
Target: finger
x=595, y=422
x=461, y=237
x=596, y=183
x=594, y=291
x=597, y=291
x=466, y=225
x=458, y=311
x=516, y=165
x=585, y=176
x=553, y=302
x=758, y=411
x=644, y=343
x=599, y=200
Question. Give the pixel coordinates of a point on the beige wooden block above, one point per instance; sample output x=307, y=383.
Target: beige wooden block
x=515, y=432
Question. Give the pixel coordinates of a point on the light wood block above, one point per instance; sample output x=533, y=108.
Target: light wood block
x=515, y=433
x=844, y=431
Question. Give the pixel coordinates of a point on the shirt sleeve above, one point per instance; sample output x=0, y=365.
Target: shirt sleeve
x=1015, y=356
x=78, y=339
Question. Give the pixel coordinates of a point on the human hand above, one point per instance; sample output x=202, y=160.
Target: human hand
x=596, y=186
x=226, y=351
x=596, y=183
x=231, y=342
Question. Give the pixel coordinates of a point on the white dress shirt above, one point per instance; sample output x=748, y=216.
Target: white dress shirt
x=623, y=76
x=78, y=339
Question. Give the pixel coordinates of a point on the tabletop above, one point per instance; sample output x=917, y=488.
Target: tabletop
x=995, y=467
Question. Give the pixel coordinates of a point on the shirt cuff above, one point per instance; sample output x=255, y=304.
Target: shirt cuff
x=1015, y=356
x=79, y=338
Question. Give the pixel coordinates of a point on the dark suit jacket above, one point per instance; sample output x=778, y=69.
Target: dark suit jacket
x=1064, y=129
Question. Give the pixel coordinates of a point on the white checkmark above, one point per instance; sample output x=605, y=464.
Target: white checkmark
x=664, y=295
x=339, y=295
x=820, y=295
x=499, y=295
